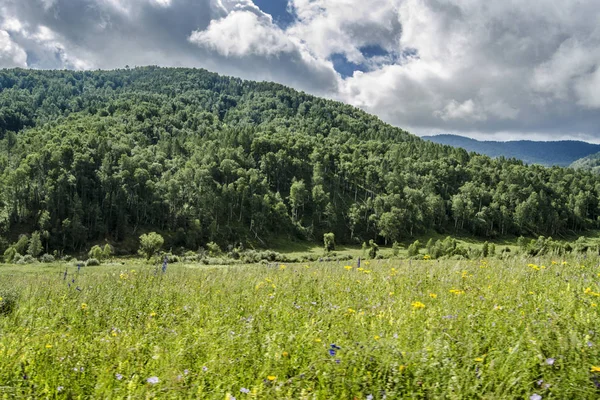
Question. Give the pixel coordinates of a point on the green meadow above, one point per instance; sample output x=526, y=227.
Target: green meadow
x=519, y=328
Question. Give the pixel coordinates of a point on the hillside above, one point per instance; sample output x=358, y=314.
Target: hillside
x=561, y=153
x=589, y=163
x=107, y=155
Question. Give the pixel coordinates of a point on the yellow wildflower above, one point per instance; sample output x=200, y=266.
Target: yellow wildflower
x=285, y=354
x=48, y=346
x=153, y=314
x=433, y=295
x=348, y=267
x=84, y=306
x=479, y=359
x=318, y=340
x=417, y=305
x=377, y=337
x=595, y=369
x=271, y=377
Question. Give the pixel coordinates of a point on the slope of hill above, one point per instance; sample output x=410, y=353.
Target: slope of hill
x=87, y=156
x=589, y=163
x=561, y=153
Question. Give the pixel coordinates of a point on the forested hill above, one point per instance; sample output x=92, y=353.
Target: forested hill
x=589, y=163
x=561, y=153
x=89, y=156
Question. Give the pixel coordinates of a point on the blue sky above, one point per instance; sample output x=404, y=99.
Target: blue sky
x=489, y=70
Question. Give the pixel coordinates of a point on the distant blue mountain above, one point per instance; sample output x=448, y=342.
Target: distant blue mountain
x=562, y=153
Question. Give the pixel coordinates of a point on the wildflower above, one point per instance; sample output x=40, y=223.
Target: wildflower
x=153, y=314
x=348, y=267
x=282, y=267
x=401, y=368
x=564, y=263
x=426, y=257
x=60, y=389
x=479, y=359
x=369, y=397
x=377, y=337
x=318, y=340
x=204, y=369
x=285, y=354
x=457, y=291
x=118, y=377
x=391, y=293
x=48, y=346
x=332, y=352
x=84, y=306
x=153, y=380
x=498, y=308
x=271, y=377
x=535, y=396
x=433, y=295
x=550, y=361
x=595, y=369
x=244, y=390
x=229, y=397
x=417, y=305
x=351, y=311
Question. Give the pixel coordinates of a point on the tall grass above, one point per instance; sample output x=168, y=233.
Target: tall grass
x=394, y=329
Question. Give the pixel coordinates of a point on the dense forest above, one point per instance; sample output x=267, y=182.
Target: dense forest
x=589, y=163
x=107, y=155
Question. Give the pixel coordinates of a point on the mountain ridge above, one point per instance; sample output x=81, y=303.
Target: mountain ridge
x=548, y=153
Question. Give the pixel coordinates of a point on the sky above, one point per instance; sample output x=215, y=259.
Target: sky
x=495, y=70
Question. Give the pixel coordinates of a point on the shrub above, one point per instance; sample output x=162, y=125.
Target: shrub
x=47, y=258
x=373, y=249
x=96, y=252
x=395, y=249
x=92, y=262
x=10, y=254
x=150, y=244
x=329, y=242
x=8, y=301
x=213, y=249
x=35, y=245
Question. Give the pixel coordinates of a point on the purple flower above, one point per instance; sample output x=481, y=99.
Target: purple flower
x=550, y=361
x=119, y=377
x=332, y=352
x=59, y=389
x=153, y=380
x=186, y=371
x=244, y=390
x=369, y=397
x=204, y=368
x=535, y=396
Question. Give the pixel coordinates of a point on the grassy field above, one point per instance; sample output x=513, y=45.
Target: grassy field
x=518, y=328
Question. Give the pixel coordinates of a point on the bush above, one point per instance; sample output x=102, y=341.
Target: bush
x=47, y=258
x=373, y=249
x=329, y=242
x=213, y=249
x=395, y=249
x=10, y=254
x=92, y=262
x=96, y=252
x=8, y=301
x=150, y=244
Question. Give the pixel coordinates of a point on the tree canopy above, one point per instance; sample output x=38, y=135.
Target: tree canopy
x=198, y=157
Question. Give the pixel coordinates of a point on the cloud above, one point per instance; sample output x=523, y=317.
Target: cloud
x=11, y=54
x=471, y=66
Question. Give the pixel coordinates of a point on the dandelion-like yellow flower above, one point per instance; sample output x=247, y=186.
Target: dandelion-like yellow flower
x=317, y=340
x=417, y=305
x=153, y=314
x=377, y=337
x=479, y=359
x=285, y=354
x=282, y=267
x=594, y=305
x=433, y=295
x=348, y=267
x=48, y=346
x=426, y=257
x=271, y=377
x=401, y=368
x=595, y=369
x=564, y=263
x=457, y=291
x=351, y=311
x=84, y=306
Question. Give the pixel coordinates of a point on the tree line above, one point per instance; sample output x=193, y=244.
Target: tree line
x=108, y=155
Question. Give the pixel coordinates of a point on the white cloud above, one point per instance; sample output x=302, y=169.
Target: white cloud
x=243, y=33
x=11, y=55
x=473, y=66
